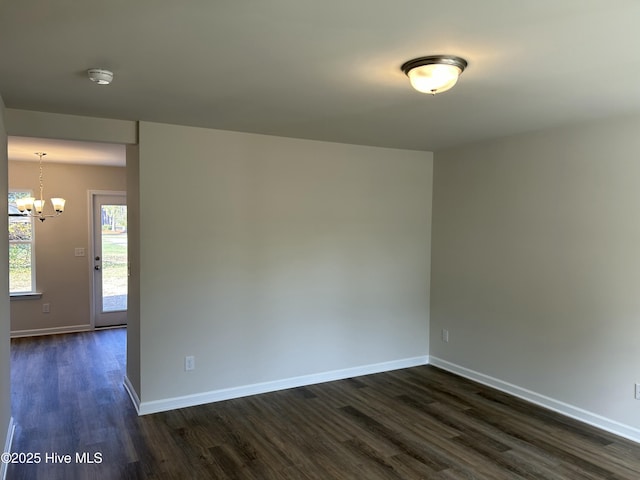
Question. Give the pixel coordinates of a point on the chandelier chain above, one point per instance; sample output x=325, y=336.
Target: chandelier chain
x=41, y=154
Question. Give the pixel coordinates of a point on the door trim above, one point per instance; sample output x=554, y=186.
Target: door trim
x=92, y=292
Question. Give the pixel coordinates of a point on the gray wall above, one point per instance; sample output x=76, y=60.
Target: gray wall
x=299, y=257
x=270, y=258
x=536, y=264
x=133, y=303
x=294, y=258
x=29, y=123
x=5, y=373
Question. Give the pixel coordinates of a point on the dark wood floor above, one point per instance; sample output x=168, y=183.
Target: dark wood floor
x=409, y=424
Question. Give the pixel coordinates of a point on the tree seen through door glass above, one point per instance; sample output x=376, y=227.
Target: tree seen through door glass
x=114, y=257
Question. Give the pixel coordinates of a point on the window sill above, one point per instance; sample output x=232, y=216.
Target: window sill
x=26, y=296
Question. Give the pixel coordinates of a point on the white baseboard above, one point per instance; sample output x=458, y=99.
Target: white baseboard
x=128, y=386
x=7, y=448
x=571, y=411
x=156, y=406
x=36, y=332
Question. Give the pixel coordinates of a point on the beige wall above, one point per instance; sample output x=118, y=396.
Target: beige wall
x=62, y=277
x=291, y=258
x=5, y=372
x=535, y=266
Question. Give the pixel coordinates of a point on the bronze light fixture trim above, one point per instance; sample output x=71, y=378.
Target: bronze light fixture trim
x=435, y=73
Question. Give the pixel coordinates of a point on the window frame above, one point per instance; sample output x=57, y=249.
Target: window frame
x=25, y=293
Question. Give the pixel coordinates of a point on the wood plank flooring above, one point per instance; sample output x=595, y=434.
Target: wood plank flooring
x=418, y=423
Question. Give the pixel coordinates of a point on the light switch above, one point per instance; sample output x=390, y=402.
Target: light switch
x=79, y=252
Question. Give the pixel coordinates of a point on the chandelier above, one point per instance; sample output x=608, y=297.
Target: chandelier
x=31, y=207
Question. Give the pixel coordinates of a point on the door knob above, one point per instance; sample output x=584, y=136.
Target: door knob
x=97, y=267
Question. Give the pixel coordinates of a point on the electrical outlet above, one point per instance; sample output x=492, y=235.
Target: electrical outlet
x=189, y=363
x=637, y=391
x=445, y=335
x=46, y=308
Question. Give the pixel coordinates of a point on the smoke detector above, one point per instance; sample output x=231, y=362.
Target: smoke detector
x=100, y=76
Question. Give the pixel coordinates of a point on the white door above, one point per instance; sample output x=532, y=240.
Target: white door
x=110, y=264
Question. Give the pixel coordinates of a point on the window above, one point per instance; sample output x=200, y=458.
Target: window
x=21, y=248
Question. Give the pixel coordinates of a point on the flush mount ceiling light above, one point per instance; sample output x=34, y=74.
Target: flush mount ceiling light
x=100, y=76
x=435, y=73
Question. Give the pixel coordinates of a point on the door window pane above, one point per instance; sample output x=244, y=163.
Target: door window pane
x=114, y=258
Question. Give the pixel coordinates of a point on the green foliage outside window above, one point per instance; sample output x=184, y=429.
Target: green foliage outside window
x=20, y=267
x=20, y=248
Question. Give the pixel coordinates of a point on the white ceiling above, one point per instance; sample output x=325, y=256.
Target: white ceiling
x=326, y=70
